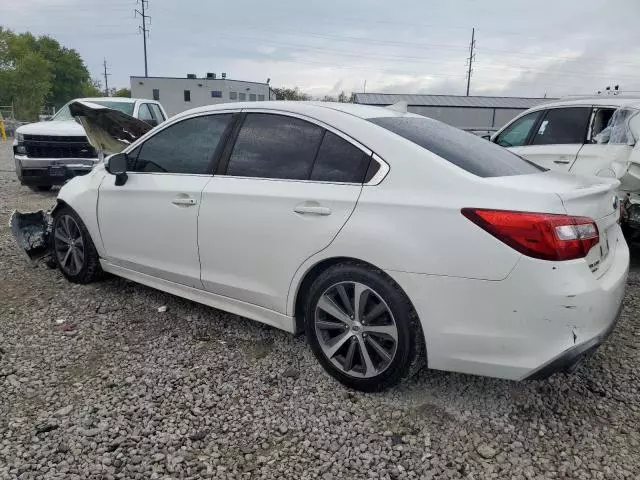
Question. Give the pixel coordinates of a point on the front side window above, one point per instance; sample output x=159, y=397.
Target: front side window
x=186, y=147
x=339, y=161
x=275, y=146
x=465, y=150
x=562, y=126
x=516, y=134
x=155, y=109
x=144, y=113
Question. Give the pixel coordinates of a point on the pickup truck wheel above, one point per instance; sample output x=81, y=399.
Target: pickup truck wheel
x=40, y=188
x=73, y=248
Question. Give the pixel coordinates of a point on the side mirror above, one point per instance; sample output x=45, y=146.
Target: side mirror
x=117, y=165
x=486, y=136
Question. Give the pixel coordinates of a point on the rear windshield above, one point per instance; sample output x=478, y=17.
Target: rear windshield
x=469, y=152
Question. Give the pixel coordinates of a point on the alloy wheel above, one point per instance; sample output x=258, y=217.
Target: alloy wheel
x=69, y=245
x=356, y=329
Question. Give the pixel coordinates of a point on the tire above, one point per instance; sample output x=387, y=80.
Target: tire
x=384, y=306
x=40, y=188
x=72, y=247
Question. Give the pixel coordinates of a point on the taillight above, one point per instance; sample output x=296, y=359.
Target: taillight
x=539, y=235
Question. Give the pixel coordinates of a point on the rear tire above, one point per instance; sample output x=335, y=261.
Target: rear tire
x=368, y=344
x=40, y=188
x=72, y=247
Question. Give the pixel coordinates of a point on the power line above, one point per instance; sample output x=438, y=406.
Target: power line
x=106, y=79
x=471, y=58
x=144, y=31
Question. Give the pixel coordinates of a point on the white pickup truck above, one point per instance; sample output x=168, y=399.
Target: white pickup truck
x=49, y=153
x=584, y=136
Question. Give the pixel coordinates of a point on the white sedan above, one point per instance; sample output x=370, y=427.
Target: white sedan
x=383, y=235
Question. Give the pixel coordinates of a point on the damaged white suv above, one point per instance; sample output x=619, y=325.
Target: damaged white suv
x=584, y=136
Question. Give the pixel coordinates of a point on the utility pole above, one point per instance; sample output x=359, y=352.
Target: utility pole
x=145, y=31
x=106, y=79
x=471, y=58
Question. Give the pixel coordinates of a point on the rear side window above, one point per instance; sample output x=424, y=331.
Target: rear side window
x=563, y=126
x=274, y=146
x=185, y=147
x=144, y=113
x=339, y=161
x=465, y=150
x=157, y=112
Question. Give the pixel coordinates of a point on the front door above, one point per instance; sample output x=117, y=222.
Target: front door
x=150, y=223
x=288, y=188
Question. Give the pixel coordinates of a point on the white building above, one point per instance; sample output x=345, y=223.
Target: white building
x=179, y=94
x=474, y=113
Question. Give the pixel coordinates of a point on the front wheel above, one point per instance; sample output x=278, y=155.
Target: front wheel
x=73, y=248
x=361, y=327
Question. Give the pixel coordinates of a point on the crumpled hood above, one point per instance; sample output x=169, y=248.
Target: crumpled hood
x=107, y=129
x=62, y=128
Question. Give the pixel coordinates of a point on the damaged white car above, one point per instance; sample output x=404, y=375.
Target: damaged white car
x=385, y=236
x=584, y=136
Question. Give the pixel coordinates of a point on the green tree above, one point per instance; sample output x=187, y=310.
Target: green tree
x=122, y=92
x=290, y=94
x=31, y=85
x=92, y=88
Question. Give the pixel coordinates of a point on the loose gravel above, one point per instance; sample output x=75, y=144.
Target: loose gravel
x=100, y=382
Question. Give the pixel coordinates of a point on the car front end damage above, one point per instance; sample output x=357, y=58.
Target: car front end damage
x=32, y=231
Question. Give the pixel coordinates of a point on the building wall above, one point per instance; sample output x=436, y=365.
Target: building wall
x=171, y=91
x=469, y=118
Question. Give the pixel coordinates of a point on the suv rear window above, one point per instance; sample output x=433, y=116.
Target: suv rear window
x=465, y=150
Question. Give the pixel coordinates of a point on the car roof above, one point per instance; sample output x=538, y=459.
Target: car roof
x=602, y=100
x=309, y=108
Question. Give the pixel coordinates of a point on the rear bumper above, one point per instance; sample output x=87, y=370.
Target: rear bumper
x=544, y=317
x=37, y=171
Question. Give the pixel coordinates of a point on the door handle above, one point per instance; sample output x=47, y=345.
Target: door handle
x=184, y=201
x=306, y=209
x=562, y=161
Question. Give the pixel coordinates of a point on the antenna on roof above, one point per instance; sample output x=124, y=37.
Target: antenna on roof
x=399, y=107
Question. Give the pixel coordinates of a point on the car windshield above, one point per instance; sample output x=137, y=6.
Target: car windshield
x=465, y=150
x=124, y=107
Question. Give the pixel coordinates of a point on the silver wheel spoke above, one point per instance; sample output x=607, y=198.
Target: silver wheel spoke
x=330, y=350
x=360, y=296
x=342, y=292
x=66, y=257
x=389, y=330
x=327, y=305
x=370, y=370
x=348, y=358
x=76, y=259
x=62, y=237
x=327, y=325
x=374, y=313
x=378, y=348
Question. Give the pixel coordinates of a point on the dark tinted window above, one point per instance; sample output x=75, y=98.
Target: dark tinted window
x=562, y=126
x=275, y=146
x=516, y=134
x=187, y=95
x=339, y=161
x=467, y=151
x=186, y=147
x=156, y=94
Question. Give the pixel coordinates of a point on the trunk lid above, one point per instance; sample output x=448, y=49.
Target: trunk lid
x=581, y=196
x=108, y=130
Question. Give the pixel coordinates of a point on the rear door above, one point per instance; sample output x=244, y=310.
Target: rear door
x=557, y=137
x=282, y=193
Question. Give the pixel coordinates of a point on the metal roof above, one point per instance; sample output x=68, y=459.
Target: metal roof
x=449, y=100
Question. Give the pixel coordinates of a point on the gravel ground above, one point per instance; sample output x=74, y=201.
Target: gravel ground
x=96, y=383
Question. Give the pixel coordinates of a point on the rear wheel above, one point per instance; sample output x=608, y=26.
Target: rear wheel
x=73, y=248
x=40, y=188
x=361, y=327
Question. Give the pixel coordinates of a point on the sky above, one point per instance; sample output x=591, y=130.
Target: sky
x=522, y=48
